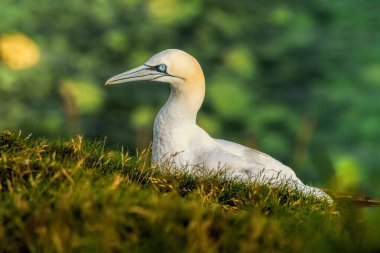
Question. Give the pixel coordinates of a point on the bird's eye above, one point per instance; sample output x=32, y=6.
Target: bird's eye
x=162, y=68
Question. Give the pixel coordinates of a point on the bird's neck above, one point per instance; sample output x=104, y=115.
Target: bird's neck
x=184, y=102
x=176, y=120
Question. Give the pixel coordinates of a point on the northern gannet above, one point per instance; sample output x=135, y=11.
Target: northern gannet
x=176, y=134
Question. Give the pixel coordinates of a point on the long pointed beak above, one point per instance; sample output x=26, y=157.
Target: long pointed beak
x=142, y=72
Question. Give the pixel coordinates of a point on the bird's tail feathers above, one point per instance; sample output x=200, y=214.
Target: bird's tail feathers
x=353, y=199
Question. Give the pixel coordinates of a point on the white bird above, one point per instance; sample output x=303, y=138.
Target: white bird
x=177, y=136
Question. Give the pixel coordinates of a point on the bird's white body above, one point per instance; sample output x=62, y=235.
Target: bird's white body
x=177, y=137
x=183, y=142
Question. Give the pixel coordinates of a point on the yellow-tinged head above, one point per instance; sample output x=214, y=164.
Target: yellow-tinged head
x=176, y=67
x=171, y=66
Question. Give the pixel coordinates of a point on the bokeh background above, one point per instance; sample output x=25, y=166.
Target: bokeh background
x=299, y=80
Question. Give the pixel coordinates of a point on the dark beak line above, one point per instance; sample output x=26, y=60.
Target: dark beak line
x=156, y=74
x=165, y=74
x=150, y=67
x=129, y=77
x=126, y=78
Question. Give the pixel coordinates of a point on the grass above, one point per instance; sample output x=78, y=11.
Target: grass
x=76, y=196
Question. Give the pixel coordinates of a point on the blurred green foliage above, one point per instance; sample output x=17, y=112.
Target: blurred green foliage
x=299, y=80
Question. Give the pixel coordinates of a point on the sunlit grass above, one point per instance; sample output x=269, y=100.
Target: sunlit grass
x=77, y=196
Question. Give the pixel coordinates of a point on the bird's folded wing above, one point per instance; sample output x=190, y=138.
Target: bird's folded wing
x=254, y=156
x=271, y=170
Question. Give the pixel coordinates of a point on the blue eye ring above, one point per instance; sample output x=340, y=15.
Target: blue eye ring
x=162, y=68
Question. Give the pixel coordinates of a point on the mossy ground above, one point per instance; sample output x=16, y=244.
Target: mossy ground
x=76, y=196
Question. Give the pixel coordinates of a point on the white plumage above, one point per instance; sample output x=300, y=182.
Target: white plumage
x=176, y=135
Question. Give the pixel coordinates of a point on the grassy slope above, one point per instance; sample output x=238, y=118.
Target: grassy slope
x=74, y=196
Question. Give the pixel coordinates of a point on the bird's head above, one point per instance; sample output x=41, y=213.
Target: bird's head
x=172, y=66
